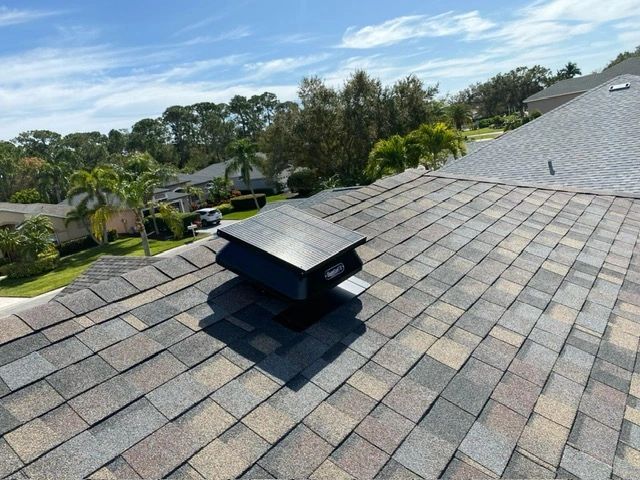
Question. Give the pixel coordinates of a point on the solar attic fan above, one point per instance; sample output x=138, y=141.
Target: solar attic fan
x=290, y=252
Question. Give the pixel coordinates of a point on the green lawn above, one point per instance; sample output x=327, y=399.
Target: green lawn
x=73, y=265
x=484, y=132
x=250, y=213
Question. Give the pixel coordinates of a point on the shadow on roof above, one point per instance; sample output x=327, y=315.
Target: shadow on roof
x=284, y=339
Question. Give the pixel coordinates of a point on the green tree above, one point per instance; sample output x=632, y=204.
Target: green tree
x=181, y=123
x=219, y=189
x=28, y=195
x=9, y=154
x=505, y=92
x=243, y=160
x=9, y=243
x=280, y=141
x=320, y=128
x=408, y=105
x=36, y=237
x=362, y=118
x=139, y=164
x=430, y=144
x=459, y=114
x=388, y=156
x=621, y=57
x=38, y=143
x=172, y=219
x=138, y=179
x=96, y=189
x=570, y=70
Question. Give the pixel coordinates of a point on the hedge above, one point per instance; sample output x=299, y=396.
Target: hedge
x=29, y=269
x=77, y=245
x=246, y=202
x=225, y=208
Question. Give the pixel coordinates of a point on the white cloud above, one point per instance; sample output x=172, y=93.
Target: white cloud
x=198, y=25
x=404, y=28
x=280, y=65
x=596, y=11
x=234, y=34
x=10, y=16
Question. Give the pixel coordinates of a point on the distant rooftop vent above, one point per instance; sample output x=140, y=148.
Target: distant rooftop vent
x=619, y=86
x=291, y=252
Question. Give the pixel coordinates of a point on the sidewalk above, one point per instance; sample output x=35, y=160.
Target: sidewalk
x=9, y=305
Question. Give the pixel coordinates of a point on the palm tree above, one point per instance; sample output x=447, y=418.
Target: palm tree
x=388, y=156
x=430, y=144
x=9, y=243
x=139, y=178
x=37, y=237
x=85, y=216
x=244, y=160
x=143, y=163
x=134, y=192
x=97, y=187
x=459, y=114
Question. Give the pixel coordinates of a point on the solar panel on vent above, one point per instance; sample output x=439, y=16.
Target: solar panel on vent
x=291, y=251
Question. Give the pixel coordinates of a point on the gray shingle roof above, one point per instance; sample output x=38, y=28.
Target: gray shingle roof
x=586, y=82
x=36, y=209
x=498, y=336
x=106, y=267
x=591, y=141
x=304, y=203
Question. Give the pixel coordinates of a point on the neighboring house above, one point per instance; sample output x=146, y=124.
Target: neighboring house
x=565, y=90
x=123, y=219
x=495, y=334
x=590, y=142
x=259, y=181
x=13, y=214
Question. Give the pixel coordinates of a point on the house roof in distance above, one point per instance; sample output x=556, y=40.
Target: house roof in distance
x=586, y=82
x=589, y=143
x=104, y=268
x=498, y=337
x=48, y=209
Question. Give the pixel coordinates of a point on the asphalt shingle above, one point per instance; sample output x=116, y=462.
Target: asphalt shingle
x=462, y=360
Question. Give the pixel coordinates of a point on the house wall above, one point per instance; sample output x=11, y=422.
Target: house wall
x=123, y=222
x=62, y=232
x=547, y=104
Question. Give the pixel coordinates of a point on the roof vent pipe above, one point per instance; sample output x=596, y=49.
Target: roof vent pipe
x=619, y=86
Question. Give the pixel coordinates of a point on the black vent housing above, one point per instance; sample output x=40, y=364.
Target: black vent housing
x=291, y=252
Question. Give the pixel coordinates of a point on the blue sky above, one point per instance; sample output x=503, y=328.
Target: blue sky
x=95, y=65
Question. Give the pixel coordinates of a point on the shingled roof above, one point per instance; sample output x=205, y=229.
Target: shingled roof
x=589, y=143
x=106, y=267
x=498, y=337
x=586, y=82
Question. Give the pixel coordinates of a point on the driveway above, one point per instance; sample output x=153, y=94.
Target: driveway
x=9, y=305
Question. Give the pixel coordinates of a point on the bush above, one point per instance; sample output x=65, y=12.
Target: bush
x=246, y=202
x=225, y=208
x=112, y=235
x=42, y=264
x=28, y=195
x=188, y=219
x=77, y=245
x=303, y=181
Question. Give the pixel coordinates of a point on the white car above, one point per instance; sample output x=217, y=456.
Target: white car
x=209, y=216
